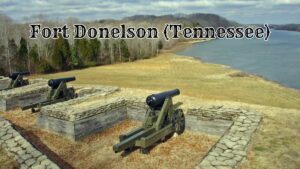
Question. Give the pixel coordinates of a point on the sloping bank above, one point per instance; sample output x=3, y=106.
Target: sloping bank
x=193, y=77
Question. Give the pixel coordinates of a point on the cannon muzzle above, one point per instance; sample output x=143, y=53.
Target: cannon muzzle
x=14, y=75
x=155, y=101
x=54, y=83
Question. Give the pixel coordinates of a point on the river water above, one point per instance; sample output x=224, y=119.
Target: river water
x=277, y=59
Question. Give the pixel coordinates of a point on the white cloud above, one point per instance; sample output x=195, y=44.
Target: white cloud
x=182, y=4
x=287, y=1
x=94, y=9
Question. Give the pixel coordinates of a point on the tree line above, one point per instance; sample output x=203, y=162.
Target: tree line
x=19, y=53
x=62, y=56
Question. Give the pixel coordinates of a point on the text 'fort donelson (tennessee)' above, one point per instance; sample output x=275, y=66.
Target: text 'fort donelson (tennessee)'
x=169, y=31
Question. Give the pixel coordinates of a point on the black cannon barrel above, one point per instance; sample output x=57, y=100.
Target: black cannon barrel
x=14, y=75
x=157, y=100
x=54, y=83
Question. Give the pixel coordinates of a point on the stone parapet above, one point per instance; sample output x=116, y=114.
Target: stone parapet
x=21, y=150
x=232, y=147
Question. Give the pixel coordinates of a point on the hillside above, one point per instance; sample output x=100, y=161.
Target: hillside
x=196, y=19
x=194, y=78
x=288, y=27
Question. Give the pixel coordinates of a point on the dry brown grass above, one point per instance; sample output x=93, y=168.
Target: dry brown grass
x=276, y=144
x=95, y=151
x=6, y=162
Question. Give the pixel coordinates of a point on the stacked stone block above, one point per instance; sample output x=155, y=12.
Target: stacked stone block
x=232, y=147
x=21, y=150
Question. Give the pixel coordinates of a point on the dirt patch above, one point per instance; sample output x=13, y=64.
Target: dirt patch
x=240, y=74
x=95, y=151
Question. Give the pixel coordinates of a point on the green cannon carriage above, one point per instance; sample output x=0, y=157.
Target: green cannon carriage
x=59, y=92
x=162, y=120
x=17, y=80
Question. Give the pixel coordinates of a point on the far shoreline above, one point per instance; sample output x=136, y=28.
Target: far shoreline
x=180, y=46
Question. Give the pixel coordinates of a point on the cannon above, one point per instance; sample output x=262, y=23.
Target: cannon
x=17, y=80
x=162, y=120
x=59, y=92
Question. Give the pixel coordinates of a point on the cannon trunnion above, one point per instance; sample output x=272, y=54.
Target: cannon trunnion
x=59, y=92
x=161, y=120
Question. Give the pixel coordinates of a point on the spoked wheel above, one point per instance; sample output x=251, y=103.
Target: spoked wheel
x=179, y=121
x=163, y=139
x=33, y=110
x=128, y=150
x=71, y=93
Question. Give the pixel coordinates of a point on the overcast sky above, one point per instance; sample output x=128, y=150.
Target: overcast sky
x=243, y=11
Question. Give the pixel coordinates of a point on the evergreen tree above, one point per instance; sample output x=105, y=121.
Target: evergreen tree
x=85, y=51
x=33, y=54
x=96, y=49
x=12, y=50
x=61, y=58
x=106, y=53
x=44, y=67
x=124, y=49
x=106, y=47
x=22, y=56
x=160, y=45
x=115, y=49
x=2, y=60
x=76, y=61
x=38, y=65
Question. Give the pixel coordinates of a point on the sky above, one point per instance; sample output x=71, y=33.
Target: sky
x=243, y=11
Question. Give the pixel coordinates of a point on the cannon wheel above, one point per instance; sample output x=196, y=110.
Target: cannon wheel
x=144, y=151
x=128, y=150
x=33, y=110
x=71, y=93
x=179, y=121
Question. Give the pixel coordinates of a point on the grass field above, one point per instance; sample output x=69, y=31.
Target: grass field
x=192, y=77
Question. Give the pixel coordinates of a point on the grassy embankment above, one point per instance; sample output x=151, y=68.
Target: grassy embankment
x=192, y=77
x=276, y=144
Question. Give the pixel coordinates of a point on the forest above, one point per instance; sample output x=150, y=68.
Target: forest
x=20, y=53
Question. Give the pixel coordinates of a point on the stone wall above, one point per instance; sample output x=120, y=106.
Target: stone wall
x=89, y=114
x=136, y=109
x=4, y=82
x=38, y=91
x=75, y=130
x=84, y=115
x=89, y=111
x=30, y=94
x=213, y=120
x=21, y=150
x=232, y=147
x=95, y=90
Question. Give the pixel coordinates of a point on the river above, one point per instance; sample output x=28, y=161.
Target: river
x=277, y=59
